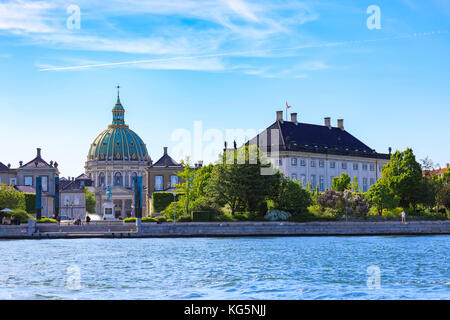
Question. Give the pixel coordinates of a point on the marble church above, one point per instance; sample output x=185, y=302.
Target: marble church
x=115, y=157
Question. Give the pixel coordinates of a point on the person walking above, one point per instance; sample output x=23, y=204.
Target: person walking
x=88, y=219
x=403, y=217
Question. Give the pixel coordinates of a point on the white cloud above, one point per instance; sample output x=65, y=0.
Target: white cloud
x=24, y=16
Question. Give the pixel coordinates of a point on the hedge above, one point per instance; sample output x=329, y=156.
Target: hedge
x=161, y=199
x=202, y=216
x=144, y=220
x=30, y=202
x=46, y=220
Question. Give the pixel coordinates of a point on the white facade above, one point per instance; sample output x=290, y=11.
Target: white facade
x=320, y=169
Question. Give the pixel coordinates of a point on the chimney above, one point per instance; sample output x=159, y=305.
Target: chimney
x=20, y=163
x=165, y=150
x=340, y=124
x=448, y=165
x=200, y=163
x=9, y=165
x=294, y=117
x=390, y=150
x=280, y=116
x=327, y=122
x=38, y=152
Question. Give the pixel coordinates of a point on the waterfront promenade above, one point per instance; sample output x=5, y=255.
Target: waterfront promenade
x=222, y=229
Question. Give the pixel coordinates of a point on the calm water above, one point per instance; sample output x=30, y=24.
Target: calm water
x=226, y=268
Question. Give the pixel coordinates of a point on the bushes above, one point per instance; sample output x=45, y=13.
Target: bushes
x=143, y=220
x=129, y=220
x=161, y=200
x=346, y=202
x=277, y=215
x=21, y=215
x=46, y=220
x=202, y=216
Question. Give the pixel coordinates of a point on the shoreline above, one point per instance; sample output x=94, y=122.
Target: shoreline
x=224, y=229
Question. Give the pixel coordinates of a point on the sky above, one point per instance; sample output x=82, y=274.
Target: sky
x=191, y=71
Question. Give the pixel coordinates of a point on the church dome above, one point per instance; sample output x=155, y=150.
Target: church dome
x=118, y=141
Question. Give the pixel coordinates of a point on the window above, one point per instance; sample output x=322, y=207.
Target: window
x=76, y=201
x=302, y=162
x=118, y=179
x=101, y=179
x=12, y=181
x=344, y=165
x=82, y=183
x=313, y=181
x=294, y=176
x=66, y=200
x=372, y=181
x=28, y=181
x=159, y=183
x=303, y=179
x=322, y=184
x=321, y=163
x=294, y=161
x=173, y=181
x=332, y=164
x=44, y=183
x=313, y=163
x=355, y=166
x=364, y=166
x=364, y=184
x=372, y=167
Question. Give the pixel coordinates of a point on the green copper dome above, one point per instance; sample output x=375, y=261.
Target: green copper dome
x=118, y=142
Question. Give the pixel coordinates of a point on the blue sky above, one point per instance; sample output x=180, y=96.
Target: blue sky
x=229, y=64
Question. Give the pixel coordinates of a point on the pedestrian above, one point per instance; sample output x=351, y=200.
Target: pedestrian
x=88, y=219
x=403, y=217
x=58, y=219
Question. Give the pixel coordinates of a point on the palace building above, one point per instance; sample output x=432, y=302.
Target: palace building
x=316, y=154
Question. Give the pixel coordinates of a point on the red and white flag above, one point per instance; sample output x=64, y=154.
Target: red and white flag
x=288, y=106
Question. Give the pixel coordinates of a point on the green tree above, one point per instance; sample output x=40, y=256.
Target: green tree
x=239, y=183
x=429, y=190
x=355, y=185
x=11, y=198
x=446, y=176
x=292, y=197
x=381, y=197
x=91, y=203
x=403, y=176
x=443, y=197
x=341, y=183
x=187, y=186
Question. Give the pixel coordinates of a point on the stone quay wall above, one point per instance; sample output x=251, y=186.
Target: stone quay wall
x=224, y=229
x=214, y=229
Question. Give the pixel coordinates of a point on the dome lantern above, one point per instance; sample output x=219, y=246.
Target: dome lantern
x=118, y=111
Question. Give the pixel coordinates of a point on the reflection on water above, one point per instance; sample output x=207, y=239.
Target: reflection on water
x=226, y=268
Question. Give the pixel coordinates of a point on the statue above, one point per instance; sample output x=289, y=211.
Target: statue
x=108, y=194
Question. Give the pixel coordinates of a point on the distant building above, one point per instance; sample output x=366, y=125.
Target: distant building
x=73, y=196
x=24, y=179
x=316, y=154
x=162, y=176
x=436, y=172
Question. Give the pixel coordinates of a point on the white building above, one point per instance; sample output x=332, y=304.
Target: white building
x=318, y=153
